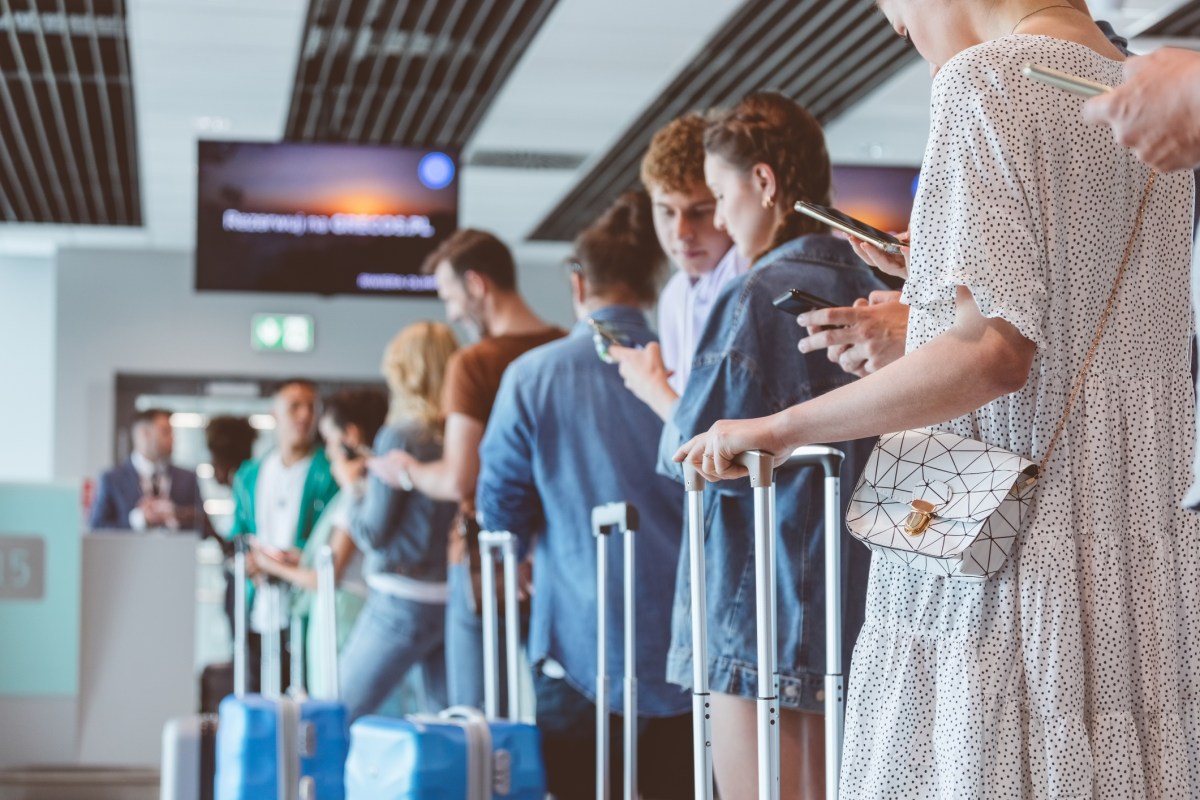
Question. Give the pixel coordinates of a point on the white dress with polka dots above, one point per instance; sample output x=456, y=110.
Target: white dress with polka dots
x=1075, y=672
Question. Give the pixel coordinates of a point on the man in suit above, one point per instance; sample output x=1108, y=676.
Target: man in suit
x=147, y=491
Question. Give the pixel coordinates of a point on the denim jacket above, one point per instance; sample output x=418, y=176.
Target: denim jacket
x=397, y=531
x=565, y=436
x=747, y=365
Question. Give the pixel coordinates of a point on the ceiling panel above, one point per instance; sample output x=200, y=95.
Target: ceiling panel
x=1183, y=22
x=825, y=54
x=68, y=143
x=418, y=73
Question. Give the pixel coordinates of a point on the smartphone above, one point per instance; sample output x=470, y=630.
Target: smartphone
x=848, y=224
x=1064, y=81
x=602, y=337
x=351, y=452
x=794, y=302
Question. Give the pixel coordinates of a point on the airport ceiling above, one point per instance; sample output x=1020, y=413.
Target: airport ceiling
x=550, y=101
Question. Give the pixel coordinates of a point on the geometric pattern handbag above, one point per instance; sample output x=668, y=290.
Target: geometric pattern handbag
x=953, y=506
x=942, y=504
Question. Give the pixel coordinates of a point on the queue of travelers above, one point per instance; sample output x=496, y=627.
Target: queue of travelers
x=1044, y=312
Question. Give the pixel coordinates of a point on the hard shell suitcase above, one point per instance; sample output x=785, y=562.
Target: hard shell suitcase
x=188, y=758
x=276, y=746
x=189, y=764
x=606, y=520
x=762, y=479
x=459, y=754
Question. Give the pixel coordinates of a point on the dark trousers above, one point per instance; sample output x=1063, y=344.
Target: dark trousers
x=567, y=721
x=254, y=648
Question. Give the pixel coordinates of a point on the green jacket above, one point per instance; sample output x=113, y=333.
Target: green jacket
x=319, y=489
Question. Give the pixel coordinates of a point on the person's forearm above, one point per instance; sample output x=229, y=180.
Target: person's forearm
x=946, y=378
x=296, y=576
x=437, y=480
x=662, y=401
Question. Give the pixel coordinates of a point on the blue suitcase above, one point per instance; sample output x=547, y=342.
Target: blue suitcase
x=265, y=745
x=459, y=754
x=277, y=747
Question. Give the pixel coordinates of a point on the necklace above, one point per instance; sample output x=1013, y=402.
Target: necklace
x=1040, y=10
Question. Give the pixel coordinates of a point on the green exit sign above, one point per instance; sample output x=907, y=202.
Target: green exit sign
x=289, y=333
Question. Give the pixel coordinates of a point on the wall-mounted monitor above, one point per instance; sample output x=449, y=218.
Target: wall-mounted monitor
x=879, y=196
x=321, y=218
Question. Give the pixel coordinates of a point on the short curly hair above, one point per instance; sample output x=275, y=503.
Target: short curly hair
x=675, y=160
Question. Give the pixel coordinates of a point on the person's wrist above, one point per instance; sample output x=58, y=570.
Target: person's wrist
x=783, y=433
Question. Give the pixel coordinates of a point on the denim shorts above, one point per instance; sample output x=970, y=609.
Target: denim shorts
x=730, y=589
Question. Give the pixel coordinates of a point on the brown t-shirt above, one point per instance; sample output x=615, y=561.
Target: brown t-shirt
x=472, y=382
x=473, y=374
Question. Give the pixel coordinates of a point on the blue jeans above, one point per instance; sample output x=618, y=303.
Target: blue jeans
x=464, y=645
x=391, y=636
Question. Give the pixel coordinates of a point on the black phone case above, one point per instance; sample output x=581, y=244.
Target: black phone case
x=796, y=302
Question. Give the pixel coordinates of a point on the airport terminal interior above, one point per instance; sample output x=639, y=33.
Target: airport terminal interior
x=209, y=206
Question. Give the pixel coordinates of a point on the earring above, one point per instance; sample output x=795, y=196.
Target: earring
x=768, y=202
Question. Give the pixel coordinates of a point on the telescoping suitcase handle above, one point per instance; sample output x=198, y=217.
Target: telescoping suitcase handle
x=506, y=543
x=606, y=520
x=762, y=479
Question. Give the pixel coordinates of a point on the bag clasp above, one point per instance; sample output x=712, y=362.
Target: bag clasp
x=919, y=518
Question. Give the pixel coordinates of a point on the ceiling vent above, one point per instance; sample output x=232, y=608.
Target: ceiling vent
x=1184, y=22
x=824, y=53
x=68, y=146
x=414, y=73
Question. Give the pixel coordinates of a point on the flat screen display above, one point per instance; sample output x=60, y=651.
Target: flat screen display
x=321, y=218
x=879, y=196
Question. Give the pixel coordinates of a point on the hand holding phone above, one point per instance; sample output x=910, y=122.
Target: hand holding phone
x=1064, y=80
x=603, y=336
x=851, y=226
x=796, y=302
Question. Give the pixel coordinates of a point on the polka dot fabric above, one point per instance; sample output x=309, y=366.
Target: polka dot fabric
x=1074, y=672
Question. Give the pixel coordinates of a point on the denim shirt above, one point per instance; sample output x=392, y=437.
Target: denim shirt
x=747, y=365
x=565, y=436
x=397, y=531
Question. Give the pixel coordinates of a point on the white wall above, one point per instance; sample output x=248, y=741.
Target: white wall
x=136, y=311
x=27, y=338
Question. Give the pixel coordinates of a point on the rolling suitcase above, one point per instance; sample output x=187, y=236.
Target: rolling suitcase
x=189, y=744
x=606, y=520
x=275, y=746
x=762, y=479
x=189, y=759
x=459, y=754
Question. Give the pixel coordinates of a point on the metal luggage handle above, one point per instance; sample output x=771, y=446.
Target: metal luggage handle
x=606, y=520
x=505, y=542
x=762, y=479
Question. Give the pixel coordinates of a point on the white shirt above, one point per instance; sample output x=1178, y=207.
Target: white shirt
x=277, y=495
x=683, y=308
x=146, y=470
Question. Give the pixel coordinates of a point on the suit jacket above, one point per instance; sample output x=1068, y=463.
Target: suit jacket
x=121, y=490
x=319, y=489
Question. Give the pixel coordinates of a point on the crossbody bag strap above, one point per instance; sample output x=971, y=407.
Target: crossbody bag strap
x=1081, y=378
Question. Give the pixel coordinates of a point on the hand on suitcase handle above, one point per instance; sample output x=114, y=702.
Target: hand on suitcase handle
x=734, y=449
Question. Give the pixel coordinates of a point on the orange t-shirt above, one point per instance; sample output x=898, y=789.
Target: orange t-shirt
x=472, y=382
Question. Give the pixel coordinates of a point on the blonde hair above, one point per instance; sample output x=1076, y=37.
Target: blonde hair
x=414, y=366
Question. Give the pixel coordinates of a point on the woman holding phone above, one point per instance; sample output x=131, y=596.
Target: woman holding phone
x=1073, y=671
x=402, y=535
x=760, y=158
